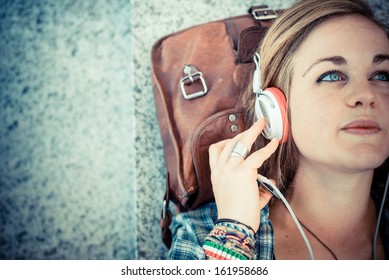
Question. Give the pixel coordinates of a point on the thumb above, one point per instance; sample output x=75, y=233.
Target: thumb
x=264, y=197
x=264, y=194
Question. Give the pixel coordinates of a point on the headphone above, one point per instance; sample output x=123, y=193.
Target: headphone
x=270, y=104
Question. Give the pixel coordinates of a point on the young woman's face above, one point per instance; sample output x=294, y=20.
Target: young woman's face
x=339, y=98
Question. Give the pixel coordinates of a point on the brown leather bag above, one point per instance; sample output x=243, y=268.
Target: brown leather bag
x=198, y=75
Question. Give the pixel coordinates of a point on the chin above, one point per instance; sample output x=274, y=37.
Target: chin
x=367, y=163
x=370, y=156
x=363, y=159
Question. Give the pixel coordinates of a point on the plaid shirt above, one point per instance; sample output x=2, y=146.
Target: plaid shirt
x=190, y=229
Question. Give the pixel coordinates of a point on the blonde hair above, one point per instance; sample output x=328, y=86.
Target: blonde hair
x=277, y=50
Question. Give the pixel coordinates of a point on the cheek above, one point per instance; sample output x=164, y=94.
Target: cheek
x=305, y=118
x=310, y=123
x=305, y=125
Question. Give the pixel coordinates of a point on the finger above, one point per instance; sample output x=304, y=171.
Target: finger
x=215, y=150
x=250, y=135
x=265, y=190
x=264, y=197
x=226, y=153
x=256, y=159
x=247, y=138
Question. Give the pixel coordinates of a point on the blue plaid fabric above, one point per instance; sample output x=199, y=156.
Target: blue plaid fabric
x=189, y=230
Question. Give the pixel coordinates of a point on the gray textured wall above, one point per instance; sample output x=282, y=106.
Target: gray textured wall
x=81, y=160
x=67, y=131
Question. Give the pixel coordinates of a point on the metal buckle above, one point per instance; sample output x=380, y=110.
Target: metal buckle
x=192, y=77
x=264, y=14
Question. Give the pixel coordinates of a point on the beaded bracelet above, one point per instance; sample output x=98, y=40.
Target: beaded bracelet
x=229, y=239
x=231, y=221
x=237, y=227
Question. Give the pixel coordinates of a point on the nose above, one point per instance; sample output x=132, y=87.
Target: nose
x=361, y=94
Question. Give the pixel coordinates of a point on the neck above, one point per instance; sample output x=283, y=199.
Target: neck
x=324, y=197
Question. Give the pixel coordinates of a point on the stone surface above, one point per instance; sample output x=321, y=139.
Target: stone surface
x=67, y=131
x=81, y=158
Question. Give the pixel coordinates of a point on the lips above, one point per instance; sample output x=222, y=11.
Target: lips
x=362, y=127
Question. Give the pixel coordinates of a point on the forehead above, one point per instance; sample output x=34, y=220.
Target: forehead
x=351, y=36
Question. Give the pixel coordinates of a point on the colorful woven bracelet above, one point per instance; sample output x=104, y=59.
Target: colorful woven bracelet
x=237, y=227
x=219, y=252
x=224, y=233
x=232, y=239
x=231, y=221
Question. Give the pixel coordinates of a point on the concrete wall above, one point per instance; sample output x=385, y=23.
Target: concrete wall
x=81, y=159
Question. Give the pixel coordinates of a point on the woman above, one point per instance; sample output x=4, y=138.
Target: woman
x=331, y=60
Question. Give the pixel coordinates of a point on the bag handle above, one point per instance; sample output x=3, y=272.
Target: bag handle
x=263, y=14
x=258, y=17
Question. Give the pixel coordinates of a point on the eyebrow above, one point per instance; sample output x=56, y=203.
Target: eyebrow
x=337, y=60
x=379, y=58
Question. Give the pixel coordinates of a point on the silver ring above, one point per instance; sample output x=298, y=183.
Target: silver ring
x=239, y=150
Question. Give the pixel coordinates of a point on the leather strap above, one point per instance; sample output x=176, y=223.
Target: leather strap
x=243, y=42
x=248, y=43
x=234, y=27
x=263, y=14
x=166, y=217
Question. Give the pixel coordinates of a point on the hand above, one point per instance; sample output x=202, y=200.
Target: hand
x=234, y=178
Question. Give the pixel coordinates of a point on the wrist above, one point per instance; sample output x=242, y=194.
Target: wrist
x=229, y=242
x=237, y=225
x=248, y=218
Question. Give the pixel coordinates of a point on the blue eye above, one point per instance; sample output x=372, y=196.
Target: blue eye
x=331, y=76
x=381, y=76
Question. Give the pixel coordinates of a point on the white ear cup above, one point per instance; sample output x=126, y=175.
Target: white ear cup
x=271, y=105
x=266, y=106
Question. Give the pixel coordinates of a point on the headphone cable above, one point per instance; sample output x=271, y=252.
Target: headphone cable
x=273, y=189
